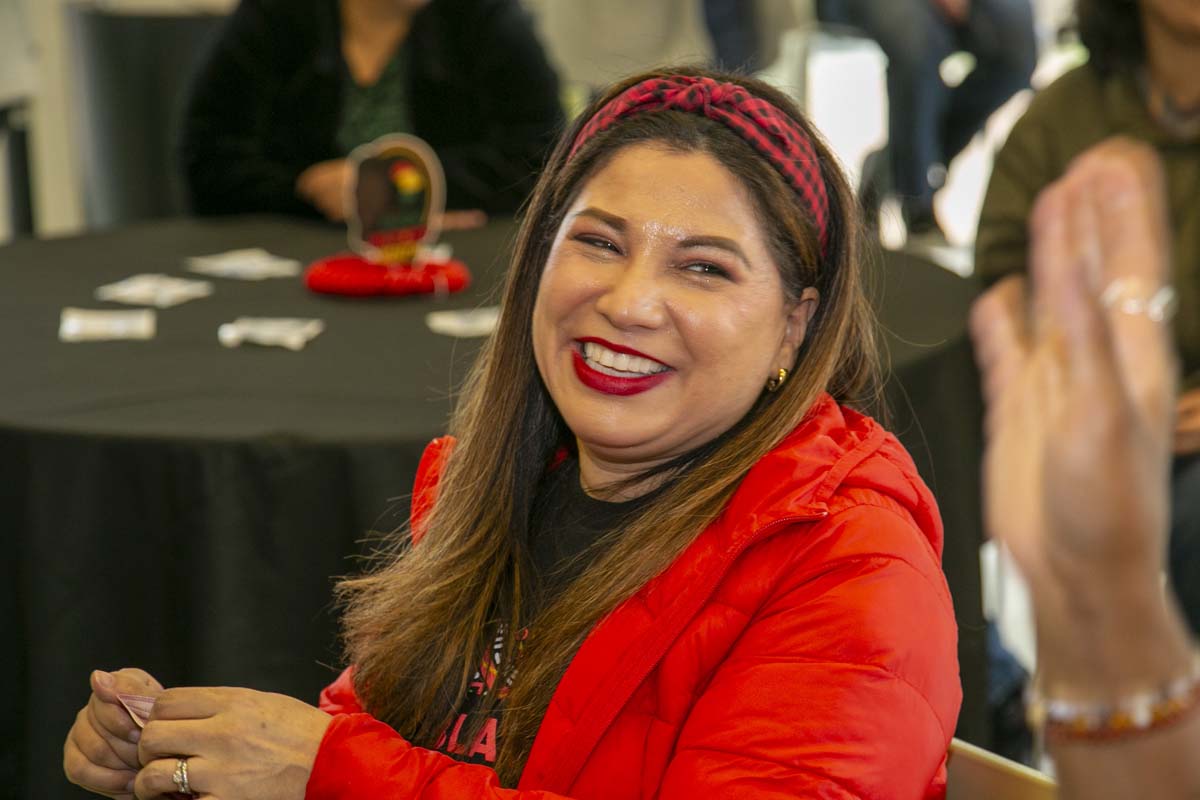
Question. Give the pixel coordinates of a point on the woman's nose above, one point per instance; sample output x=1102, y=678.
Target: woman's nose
x=634, y=297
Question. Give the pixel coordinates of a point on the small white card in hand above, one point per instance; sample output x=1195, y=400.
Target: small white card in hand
x=156, y=289
x=249, y=264
x=464, y=323
x=84, y=325
x=289, y=332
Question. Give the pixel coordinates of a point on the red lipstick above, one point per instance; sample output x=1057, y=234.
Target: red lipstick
x=611, y=384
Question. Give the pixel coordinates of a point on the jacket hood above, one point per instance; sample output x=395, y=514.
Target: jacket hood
x=834, y=454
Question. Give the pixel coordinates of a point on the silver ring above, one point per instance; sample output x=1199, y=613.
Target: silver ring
x=181, y=777
x=1129, y=296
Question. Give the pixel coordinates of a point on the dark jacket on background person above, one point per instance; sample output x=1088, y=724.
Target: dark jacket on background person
x=266, y=103
x=803, y=645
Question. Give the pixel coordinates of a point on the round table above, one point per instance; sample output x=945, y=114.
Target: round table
x=183, y=507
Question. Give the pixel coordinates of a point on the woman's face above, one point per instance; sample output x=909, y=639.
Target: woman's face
x=661, y=312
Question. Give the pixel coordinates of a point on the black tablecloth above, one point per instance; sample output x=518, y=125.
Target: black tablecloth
x=179, y=506
x=183, y=508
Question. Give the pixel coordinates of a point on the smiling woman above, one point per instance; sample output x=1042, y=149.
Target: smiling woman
x=661, y=278
x=660, y=555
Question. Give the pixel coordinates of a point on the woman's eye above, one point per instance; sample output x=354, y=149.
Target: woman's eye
x=598, y=242
x=705, y=268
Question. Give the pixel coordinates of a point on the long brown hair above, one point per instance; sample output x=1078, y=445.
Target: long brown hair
x=418, y=628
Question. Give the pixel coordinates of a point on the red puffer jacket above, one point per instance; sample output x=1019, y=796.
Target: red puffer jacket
x=802, y=646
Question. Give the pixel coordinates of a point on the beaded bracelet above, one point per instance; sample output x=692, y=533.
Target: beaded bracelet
x=1134, y=714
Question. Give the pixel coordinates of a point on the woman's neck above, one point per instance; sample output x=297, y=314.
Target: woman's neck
x=372, y=30
x=366, y=15
x=605, y=480
x=1172, y=63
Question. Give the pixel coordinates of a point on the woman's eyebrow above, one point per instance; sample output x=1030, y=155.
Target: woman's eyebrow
x=612, y=220
x=719, y=242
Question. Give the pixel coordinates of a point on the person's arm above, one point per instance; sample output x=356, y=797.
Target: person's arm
x=1106, y=644
x=225, y=150
x=515, y=96
x=834, y=656
x=845, y=685
x=1080, y=398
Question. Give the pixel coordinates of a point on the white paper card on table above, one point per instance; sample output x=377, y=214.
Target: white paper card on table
x=464, y=323
x=440, y=252
x=248, y=264
x=87, y=325
x=154, y=289
x=290, y=332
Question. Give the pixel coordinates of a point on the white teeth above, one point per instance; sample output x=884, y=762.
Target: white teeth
x=599, y=356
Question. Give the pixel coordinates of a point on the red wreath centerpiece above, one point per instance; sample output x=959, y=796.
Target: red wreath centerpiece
x=395, y=205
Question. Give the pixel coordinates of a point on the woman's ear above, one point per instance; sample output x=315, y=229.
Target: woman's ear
x=798, y=317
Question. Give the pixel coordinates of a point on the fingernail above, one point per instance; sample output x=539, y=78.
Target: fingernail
x=129, y=786
x=135, y=735
x=104, y=679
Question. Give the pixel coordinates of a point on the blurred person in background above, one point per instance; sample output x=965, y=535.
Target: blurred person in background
x=733, y=27
x=1142, y=80
x=929, y=122
x=1079, y=378
x=593, y=44
x=292, y=86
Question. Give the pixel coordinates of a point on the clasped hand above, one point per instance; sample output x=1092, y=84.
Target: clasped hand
x=240, y=744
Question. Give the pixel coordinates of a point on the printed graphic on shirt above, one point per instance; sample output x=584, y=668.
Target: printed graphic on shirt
x=483, y=750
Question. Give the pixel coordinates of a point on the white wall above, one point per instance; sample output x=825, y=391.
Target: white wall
x=17, y=82
x=56, y=197
x=54, y=158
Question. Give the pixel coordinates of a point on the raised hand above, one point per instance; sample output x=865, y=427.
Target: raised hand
x=1079, y=379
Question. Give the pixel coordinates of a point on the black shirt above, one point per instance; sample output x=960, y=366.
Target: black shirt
x=566, y=530
x=566, y=524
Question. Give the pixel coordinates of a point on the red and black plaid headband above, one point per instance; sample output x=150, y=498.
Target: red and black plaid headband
x=771, y=132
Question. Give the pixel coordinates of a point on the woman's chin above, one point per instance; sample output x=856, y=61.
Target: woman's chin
x=625, y=447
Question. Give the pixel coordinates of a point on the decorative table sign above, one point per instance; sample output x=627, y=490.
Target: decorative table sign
x=395, y=204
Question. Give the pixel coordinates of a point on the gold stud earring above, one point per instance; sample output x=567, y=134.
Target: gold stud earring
x=777, y=380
